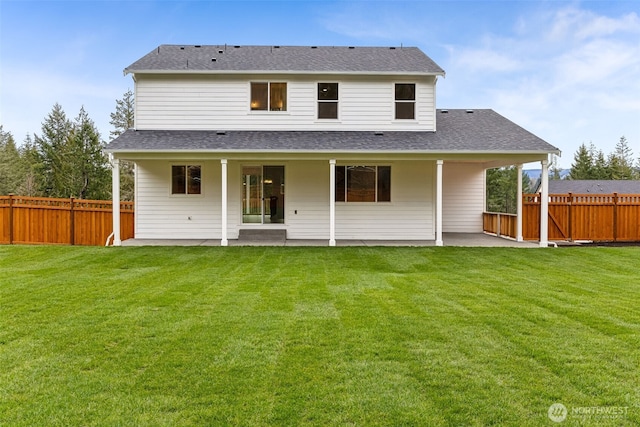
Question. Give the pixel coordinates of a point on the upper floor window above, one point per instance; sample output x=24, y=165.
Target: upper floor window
x=363, y=183
x=186, y=179
x=327, y=100
x=405, y=101
x=268, y=96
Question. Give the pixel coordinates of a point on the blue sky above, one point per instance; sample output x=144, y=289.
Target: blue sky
x=567, y=71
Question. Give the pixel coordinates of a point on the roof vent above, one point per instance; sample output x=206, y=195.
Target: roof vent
x=444, y=111
x=221, y=51
x=392, y=48
x=197, y=45
x=351, y=47
x=378, y=133
x=181, y=47
x=221, y=132
x=314, y=47
x=276, y=47
x=237, y=47
x=469, y=111
x=213, y=59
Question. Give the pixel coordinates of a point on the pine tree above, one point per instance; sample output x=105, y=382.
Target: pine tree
x=32, y=182
x=86, y=168
x=502, y=189
x=72, y=161
x=582, y=166
x=52, y=147
x=621, y=161
x=11, y=165
x=600, y=167
x=555, y=169
x=121, y=120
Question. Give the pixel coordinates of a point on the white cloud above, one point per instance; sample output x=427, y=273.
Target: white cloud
x=578, y=24
x=573, y=79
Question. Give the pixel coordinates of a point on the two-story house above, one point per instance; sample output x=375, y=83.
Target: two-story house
x=321, y=142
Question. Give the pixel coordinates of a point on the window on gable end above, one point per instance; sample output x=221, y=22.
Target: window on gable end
x=405, y=98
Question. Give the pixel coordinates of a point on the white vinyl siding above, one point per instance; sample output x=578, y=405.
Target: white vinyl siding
x=205, y=102
x=463, y=197
x=160, y=215
x=409, y=215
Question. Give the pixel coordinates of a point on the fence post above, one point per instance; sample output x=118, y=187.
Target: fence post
x=569, y=220
x=615, y=217
x=72, y=225
x=498, y=228
x=11, y=218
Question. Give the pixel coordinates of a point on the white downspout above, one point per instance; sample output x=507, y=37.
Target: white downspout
x=332, y=202
x=115, y=199
x=224, y=241
x=439, y=241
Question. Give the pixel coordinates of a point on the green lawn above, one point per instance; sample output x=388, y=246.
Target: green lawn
x=318, y=336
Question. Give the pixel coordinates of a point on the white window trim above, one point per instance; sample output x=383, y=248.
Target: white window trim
x=185, y=195
x=376, y=202
x=268, y=111
x=318, y=101
x=415, y=103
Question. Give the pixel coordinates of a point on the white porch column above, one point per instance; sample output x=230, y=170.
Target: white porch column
x=223, y=215
x=544, y=205
x=332, y=202
x=439, y=241
x=519, y=204
x=115, y=200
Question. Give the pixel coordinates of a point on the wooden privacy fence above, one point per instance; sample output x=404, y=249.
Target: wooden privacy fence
x=598, y=217
x=61, y=221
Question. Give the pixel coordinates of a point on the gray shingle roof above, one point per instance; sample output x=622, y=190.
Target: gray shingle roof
x=594, y=186
x=483, y=131
x=286, y=59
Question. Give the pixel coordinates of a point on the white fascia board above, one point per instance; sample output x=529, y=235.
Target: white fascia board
x=286, y=72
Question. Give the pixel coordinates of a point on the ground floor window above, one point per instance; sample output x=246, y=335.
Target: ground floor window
x=363, y=183
x=186, y=179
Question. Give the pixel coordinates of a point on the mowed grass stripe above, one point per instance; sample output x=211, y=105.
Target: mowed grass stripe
x=316, y=336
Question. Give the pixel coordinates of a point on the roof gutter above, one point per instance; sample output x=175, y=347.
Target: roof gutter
x=286, y=72
x=263, y=151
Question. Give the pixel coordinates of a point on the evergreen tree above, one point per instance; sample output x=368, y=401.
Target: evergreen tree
x=502, y=189
x=621, y=161
x=72, y=161
x=11, y=165
x=32, y=182
x=86, y=167
x=121, y=120
x=52, y=148
x=555, y=169
x=582, y=166
x=600, y=167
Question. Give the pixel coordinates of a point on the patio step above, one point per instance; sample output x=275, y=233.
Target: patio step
x=252, y=235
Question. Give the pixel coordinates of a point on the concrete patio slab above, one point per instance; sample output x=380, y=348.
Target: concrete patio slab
x=450, y=239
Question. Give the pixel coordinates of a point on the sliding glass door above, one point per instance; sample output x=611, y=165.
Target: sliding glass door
x=263, y=195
